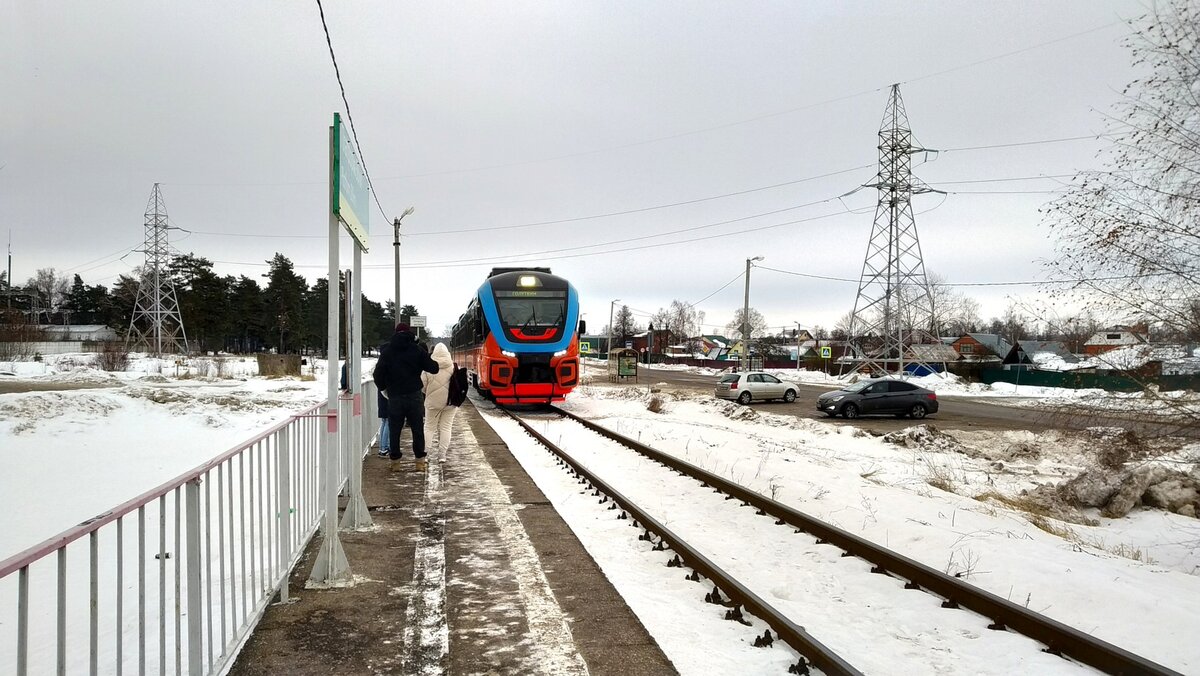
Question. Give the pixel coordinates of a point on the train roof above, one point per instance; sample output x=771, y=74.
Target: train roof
x=501, y=271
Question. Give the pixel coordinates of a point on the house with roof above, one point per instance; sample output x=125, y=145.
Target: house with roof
x=1115, y=337
x=981, y=347
x=1050, y=355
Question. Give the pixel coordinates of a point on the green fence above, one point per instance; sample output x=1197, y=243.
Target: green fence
x=1078, y=381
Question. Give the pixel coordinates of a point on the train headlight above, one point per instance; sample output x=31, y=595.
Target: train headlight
x=508, y=353
x=528, y=281
x=560, y=353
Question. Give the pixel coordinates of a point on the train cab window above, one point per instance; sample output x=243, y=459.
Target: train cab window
x=531, y=308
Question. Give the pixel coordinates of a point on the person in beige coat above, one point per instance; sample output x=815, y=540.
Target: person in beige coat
x=439, y=413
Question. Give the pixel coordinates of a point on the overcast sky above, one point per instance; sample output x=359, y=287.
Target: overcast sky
x=496, y=115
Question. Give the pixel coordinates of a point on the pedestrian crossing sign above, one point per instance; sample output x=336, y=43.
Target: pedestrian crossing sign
x=585, y=346
x=826, y=352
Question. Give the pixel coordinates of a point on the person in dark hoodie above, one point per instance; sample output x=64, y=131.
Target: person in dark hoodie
x=398, y=373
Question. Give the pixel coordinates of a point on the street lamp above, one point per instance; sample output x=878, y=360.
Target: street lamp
x=797, y=346
x=610, y=327
x=396, y=248
x=746, y=318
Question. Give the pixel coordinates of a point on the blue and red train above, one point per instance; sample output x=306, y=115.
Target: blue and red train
x=519, y=337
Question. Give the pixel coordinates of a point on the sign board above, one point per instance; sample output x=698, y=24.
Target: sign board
x=351, y=193
x=416, y=321
x=628, y=344
x=627, y=365
x=826, y=352
x=585, y=346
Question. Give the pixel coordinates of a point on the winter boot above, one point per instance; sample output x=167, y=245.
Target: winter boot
x=422, y=465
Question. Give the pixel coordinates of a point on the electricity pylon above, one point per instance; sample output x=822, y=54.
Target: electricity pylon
x=156, y=325
x=894, y=307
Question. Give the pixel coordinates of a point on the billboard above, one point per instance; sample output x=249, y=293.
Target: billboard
x=351, y=194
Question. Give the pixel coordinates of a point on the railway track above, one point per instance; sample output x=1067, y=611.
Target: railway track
x=740, y=589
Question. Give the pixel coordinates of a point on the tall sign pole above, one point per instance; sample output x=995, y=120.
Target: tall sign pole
x=331, y=567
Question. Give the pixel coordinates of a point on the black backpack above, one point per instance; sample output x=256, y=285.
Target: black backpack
x=457, y=387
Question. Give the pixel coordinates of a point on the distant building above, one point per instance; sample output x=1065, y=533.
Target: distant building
x=1115, y=337
x=1051, y=354
x=981, y=347
x=82, y=332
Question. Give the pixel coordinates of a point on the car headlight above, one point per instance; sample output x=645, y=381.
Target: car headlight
x=837, y=399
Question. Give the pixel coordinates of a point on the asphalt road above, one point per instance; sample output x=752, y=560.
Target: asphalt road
x=954, y=413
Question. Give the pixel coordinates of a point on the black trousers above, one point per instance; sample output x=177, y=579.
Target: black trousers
x=406, y=409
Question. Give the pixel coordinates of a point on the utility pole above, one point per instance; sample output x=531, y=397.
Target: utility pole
x=396, y=249
x=8, y=279
x=746, y=318
x=797, y=346
x=610, y=326
x=894, y=307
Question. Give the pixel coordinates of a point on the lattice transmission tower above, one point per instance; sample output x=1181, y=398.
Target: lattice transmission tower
x=156, y=325
x=893, y=311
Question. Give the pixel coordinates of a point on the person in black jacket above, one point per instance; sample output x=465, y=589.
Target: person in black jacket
x=398, y=373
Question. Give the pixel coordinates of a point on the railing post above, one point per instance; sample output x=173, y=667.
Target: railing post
x=61, y=651
x=284, y=492
x=23, y=622
x=195, y=606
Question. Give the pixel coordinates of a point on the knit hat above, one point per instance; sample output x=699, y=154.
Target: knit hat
x=403, y=327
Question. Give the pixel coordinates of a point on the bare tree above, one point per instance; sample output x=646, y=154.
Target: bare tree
x=1127, y=238
x=758, y=324
x=841, y=328
x=681, y=320
x=50, y=286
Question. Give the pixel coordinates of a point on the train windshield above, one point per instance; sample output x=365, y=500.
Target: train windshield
x=527, y=309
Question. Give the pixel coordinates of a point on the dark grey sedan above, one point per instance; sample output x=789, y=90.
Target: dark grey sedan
x=882, y=396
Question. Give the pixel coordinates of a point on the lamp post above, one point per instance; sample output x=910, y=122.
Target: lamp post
x=746, y=318
x=610, y=327
x=396, y=249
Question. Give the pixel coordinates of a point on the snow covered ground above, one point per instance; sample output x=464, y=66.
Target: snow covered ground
x=122, y=434
x=954, y=501
x=948, y=502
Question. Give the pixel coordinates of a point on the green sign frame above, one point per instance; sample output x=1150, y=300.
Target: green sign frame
x=351, y=192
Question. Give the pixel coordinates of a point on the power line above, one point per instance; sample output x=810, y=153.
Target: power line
x=651, y=208
x=642, y=237
x=739, y=276
x=1014, y=52
x=974, y=284
x=349, y=117
x=756, y=118
x=1064, y=139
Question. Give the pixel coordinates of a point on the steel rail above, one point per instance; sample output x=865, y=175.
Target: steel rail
x=1059, y=639
x=790, y=632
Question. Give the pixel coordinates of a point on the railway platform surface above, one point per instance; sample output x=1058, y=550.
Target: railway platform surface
x=468, y=570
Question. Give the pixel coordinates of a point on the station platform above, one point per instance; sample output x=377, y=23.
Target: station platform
x=468, y=570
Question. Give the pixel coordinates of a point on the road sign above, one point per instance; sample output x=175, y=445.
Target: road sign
x=826, y=352
x=416, y=321
x=585, y=346
x=628, y=344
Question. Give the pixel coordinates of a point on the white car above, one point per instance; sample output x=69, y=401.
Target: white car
x=755, y=386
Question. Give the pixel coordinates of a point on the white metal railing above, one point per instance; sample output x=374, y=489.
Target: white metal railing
x=175, y=580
